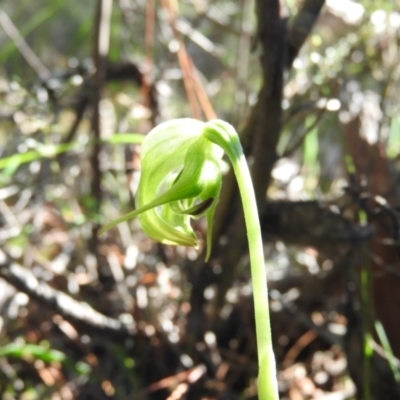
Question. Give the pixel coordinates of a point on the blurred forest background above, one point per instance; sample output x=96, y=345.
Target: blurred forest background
x=312, y=86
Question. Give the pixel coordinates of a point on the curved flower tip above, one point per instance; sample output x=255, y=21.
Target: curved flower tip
x=180, y=179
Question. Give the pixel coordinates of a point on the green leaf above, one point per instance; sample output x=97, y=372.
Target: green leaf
x=41, y=151
x=23, y=350
x=126, y=138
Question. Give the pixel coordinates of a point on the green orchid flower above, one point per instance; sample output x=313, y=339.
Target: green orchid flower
x=181, y=180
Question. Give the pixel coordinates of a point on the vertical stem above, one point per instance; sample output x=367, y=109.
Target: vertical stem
x=268, y=388
x=366, y=307
x=225, y=136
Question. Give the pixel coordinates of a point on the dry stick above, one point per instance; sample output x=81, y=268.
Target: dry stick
x=188, y=80
x=195, y=91
x=299, y=141
x=80, y=109
x=101, y=47
x=184, y=61
x=116, y=72
x=77, y=312
x=149, y=45
x=22, y=46
x=242, y=61
x=201, y=93
x=191, y=376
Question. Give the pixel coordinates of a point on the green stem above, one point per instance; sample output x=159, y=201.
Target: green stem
x=268, y=388
x=225, y=136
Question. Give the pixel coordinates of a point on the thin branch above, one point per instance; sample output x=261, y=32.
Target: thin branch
x=115, y=72
x=300, y=139
x=149, y=46
x=201, y=94
x=301, y=27
x=184, y=60
x=242, y=61
x=195, y=92
x=76, y=312
x=101, y=47
x=22, y=46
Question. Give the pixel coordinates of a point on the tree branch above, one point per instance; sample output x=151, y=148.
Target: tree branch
x=301, y=27
x=101, y=47
x=76, y=312
x=23, y=47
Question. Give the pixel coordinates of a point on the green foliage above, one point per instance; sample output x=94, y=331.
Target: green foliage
x=394, y=138
x=43, y=352
x=40, y=17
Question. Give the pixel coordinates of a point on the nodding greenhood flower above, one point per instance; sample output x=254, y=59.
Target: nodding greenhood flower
x=180, y=179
